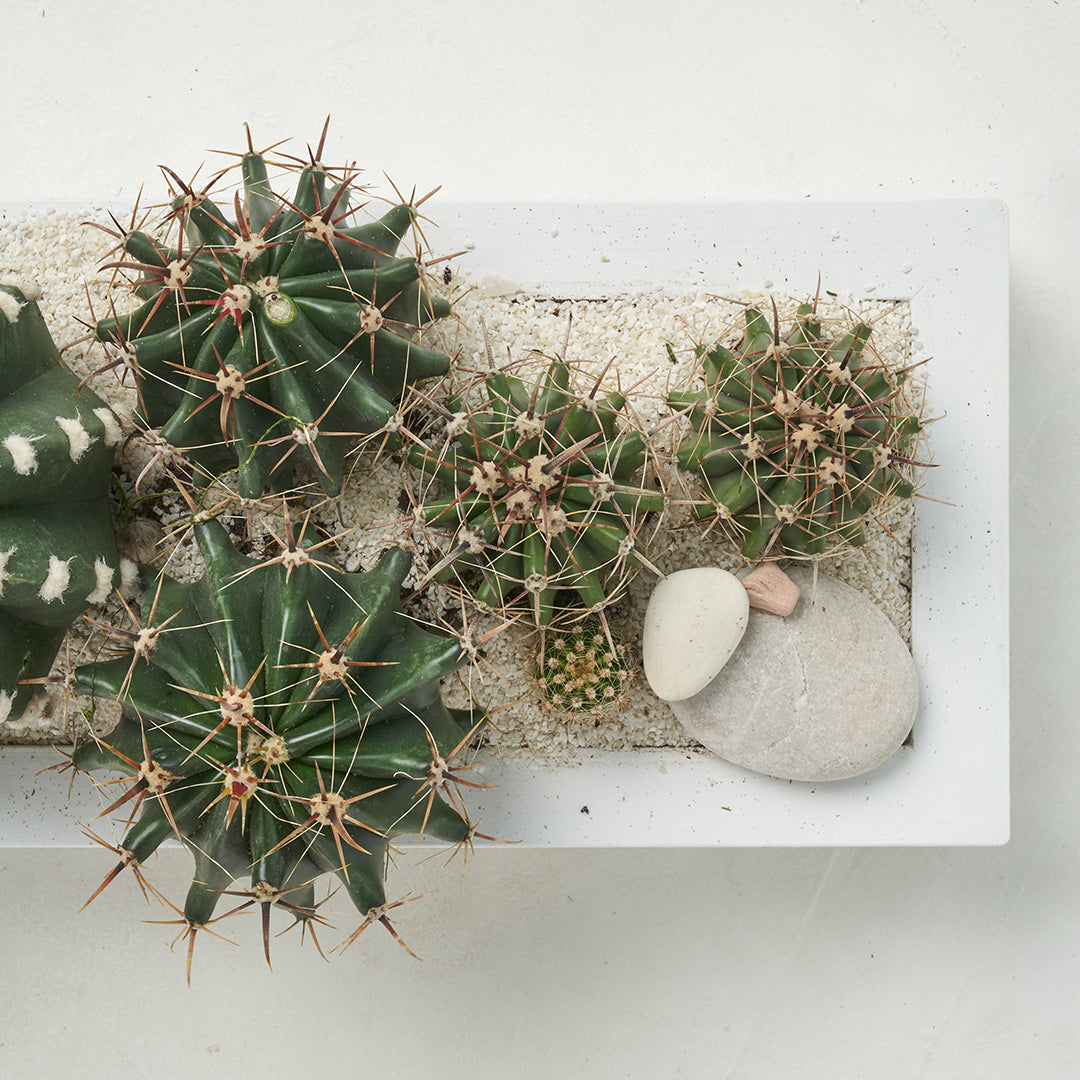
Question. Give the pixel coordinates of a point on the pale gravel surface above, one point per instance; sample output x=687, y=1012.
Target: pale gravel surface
x=61, y=256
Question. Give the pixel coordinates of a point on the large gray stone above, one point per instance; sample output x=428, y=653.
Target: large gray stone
x=826, y=693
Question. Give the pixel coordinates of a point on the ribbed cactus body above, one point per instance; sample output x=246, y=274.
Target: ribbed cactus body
x=57, y=543
x=285, y=722
x=276, y=336
x=540, y=492
x=798, y=437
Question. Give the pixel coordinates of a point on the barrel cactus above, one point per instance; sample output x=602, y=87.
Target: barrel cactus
x=57, y=544
x=276, y=337
x=798, y=437
x=540, y=493
x=284, y=722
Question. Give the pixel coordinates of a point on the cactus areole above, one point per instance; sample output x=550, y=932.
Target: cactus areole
x=284, y=722
x=798, y=437
x=275, y=337
x=57, y=545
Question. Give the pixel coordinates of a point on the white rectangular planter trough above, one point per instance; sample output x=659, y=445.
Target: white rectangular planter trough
x=950, y=785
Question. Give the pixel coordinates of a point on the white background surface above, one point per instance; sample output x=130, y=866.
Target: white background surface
x=935, y=963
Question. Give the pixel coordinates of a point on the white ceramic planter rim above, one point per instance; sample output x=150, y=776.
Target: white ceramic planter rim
x=951, y=786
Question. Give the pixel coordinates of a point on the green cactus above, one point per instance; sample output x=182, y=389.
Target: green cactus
x=542, y=493
x=278, y=337
x=798, y=437
x=583, y=672
x=285, y=723
x=57, y=544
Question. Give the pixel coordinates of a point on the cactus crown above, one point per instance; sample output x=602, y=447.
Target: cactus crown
x=543, y=493
x=57, y=545
x=276, y=337
x=798, y=437
x=284, y=723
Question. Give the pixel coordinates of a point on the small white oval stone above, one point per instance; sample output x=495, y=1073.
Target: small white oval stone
x=693, y=623
x=825, y=694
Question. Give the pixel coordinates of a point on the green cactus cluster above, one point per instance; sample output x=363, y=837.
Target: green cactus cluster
x=285, y=722
x=57, y=541
x=281, y=718
x=798, y=436
x=276, y=336
x=583, y=672
x=541, y=493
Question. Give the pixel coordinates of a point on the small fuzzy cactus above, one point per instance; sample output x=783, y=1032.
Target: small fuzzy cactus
x=285, y=722
x=583, y=672
x=541, y=493
x=276, y=337
x=57, y=543
x=798, y=437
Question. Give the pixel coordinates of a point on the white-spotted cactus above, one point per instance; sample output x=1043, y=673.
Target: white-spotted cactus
x=57, y=542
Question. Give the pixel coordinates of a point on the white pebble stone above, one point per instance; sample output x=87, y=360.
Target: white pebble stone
x=693, y=623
